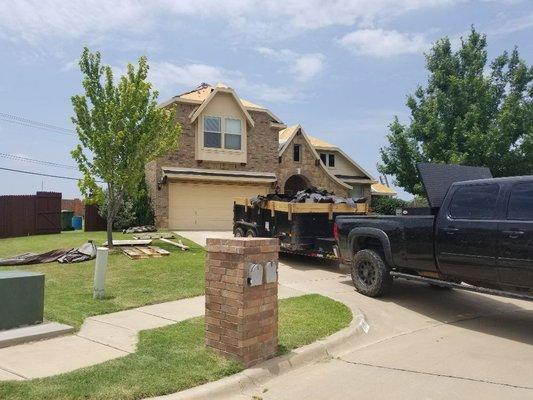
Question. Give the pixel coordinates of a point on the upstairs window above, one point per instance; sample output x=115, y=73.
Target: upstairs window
x=212, y=132
x=233, y=134
x=222, y=133
x=331, y=161
x=328, y=159
x=296, y=156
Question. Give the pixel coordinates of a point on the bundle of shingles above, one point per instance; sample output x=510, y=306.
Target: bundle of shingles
x=312, y=195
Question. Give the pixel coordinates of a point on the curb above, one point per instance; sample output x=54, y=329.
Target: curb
x=334, y=345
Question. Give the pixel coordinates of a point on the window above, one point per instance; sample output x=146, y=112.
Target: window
x=296, y=156
x=356, y=192
x=212, y=132
x=213, y=138
x=233, y=133
x=521, y=202
x=328, y=159
x=475, y=202
x=331, y=161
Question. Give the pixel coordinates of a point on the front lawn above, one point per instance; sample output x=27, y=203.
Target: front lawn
x=129, y=283
x=174, y=358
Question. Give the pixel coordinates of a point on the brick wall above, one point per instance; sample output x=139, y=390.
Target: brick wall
x=308, y=167
x=262, y=142
x=241, y=320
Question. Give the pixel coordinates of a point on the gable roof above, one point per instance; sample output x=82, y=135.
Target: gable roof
x=318, y=144
x=204, y=90
x=212, y=94
x=379, y=189
x=288, y=134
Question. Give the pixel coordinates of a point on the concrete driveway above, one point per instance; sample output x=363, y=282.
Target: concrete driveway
x=422, y=343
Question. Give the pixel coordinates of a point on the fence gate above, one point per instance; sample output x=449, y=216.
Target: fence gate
x=47, y=212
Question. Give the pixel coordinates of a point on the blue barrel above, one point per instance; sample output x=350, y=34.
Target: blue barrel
x=77, y=222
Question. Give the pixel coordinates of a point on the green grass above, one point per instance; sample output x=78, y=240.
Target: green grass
x=174, y=358
x=129, y=283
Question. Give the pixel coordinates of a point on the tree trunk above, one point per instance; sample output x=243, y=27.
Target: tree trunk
x=109, y=232
x=110, y=216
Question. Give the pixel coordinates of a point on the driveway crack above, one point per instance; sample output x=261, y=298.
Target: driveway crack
x=412, y=371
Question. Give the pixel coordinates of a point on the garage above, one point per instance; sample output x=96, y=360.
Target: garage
x=206, y=205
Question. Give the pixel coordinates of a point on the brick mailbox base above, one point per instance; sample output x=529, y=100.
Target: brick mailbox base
x=241, y=307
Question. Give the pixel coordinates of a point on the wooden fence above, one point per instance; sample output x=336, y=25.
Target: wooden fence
x=30, y=215
x=93, y=220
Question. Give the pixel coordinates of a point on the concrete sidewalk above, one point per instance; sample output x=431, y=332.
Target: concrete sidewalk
x=101, y=338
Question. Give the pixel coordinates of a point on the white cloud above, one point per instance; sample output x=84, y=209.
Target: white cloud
x=165, y=74
x=170, y=79
x=382, y=43
x=35, y=21
x=302, y=66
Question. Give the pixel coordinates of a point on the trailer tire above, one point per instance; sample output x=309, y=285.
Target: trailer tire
x=251, y=233
x=370, y=274
x=239, y=232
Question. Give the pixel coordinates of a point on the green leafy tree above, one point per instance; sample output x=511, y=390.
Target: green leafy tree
x=120, y=129
x=469, y=113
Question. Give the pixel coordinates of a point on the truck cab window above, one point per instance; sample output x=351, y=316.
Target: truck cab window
x=521, y=202
x=474, y=202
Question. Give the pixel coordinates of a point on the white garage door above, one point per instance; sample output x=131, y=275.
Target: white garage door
x=205, y=206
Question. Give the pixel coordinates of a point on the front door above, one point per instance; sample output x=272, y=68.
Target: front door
x=515, y=264
x=467, y=234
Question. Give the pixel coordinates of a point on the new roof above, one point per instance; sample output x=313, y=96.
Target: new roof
x=379, y=189
x=204, y=90
x=287, y=134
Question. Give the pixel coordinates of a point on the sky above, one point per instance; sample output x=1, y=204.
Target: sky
x=342, y=69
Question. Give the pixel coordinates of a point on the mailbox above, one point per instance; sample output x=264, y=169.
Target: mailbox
x=255, y=274
x=271, y=271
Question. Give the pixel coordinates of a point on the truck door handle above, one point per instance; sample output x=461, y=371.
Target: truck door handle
x=450, y=231
x=513, y=234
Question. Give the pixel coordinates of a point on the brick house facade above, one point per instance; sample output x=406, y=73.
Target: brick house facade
x=228, y=147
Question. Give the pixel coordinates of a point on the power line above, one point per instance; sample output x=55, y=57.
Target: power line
x=34, y=161
x=41, y=174
x=15, y=119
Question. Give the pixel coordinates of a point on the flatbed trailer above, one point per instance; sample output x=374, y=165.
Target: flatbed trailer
x=302, y=228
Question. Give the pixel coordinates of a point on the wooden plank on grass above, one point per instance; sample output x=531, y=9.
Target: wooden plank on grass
x=130, y=242
x=177, y=244
x=133, y=253
x=159, y=250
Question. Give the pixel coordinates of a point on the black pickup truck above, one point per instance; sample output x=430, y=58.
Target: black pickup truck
x=478, y=235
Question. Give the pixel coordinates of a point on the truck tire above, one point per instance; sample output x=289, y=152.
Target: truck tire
x=239, y=232
x=370, y=274
x=251, y=233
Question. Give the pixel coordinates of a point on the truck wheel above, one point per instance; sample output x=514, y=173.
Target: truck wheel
x=370, y=275
x=239, y=232
x=250, y=233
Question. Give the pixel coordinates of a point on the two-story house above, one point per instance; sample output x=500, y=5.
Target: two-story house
x=231, y=147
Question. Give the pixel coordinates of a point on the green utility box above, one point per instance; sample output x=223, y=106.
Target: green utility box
x=21, y=298
x=66, y=220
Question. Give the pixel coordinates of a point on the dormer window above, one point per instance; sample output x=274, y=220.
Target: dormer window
x=212, y=132
x=215, y=126
x=328, y=159
x=233, y=134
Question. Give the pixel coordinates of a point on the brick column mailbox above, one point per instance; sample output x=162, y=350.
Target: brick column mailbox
x=241, y=298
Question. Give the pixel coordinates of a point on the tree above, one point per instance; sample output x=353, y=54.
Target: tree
x=467, y=114
x=120, y=128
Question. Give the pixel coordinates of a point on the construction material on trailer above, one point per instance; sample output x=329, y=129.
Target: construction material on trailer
x=302, y=228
